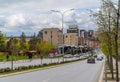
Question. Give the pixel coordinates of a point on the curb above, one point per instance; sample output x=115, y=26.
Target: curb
x=27, y=71
x=102, y=73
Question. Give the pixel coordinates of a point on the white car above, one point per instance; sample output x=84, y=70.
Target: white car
x=77, y=55
x=68, y=56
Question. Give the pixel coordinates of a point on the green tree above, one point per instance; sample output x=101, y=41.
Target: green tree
x=107, y=20
x=33, y=42
x=38, y=46
x=16, y=46
x=45, y=47
x=26, y=47
x=2, y=42
x=22, y=40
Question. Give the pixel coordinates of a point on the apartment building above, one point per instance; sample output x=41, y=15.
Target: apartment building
x=52, y=35
x=72, y=35
x=73, y=29
x=71, y=39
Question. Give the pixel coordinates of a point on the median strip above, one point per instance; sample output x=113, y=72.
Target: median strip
x=27, y=69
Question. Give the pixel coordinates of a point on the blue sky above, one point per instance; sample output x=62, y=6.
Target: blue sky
x=29, y=16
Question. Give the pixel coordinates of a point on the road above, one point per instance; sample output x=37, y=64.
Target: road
x=74, y=72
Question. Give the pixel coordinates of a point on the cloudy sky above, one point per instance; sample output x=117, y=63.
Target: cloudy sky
x=29, y=16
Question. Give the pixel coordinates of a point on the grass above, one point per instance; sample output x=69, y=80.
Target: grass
x=109, y=78
x=110, y=72
x=18, y=57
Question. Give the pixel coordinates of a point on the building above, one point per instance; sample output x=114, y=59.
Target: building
x=83, y=37
x=27, y=38
x=52, y=35
x=90, y=33
x=72, y=36
x=73, y=29
x=71, y=39
x=83, y=33
x=88, y=38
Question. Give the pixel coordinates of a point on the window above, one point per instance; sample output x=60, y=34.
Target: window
x=45, y=32
x=66, y=36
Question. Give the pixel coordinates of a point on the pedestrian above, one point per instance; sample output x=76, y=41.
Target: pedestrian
x=7, y=57
x=30, y=55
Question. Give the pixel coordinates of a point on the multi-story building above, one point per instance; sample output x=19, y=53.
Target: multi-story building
x=72, y=35
x=73, y=29
x=27, y=38
x=52, y=35
x=71, y=39
x=90, y=33
x=83, y=37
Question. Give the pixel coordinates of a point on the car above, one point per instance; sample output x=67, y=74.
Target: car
x=95, y=56
x=51, y=55
x=77, y=55
x=100, y=58
x=91, y=60
x=68, y=56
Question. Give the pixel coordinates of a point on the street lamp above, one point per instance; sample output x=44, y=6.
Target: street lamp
x=62, y=15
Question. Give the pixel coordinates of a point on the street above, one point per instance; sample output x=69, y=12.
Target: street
x=74, y=72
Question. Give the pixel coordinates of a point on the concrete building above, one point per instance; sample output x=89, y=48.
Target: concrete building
x=52, y=35
x=72, y=35
x=28, y=38
x=83, y=37
x=91, y=33
x=73, y=29
x=71, y=39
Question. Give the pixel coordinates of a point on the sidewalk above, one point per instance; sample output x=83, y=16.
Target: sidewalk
x=108, y=75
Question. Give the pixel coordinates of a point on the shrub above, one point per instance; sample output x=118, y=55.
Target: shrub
x=45, y=64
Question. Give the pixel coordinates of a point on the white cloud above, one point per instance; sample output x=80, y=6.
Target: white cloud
x=16, y=20
x=32, y=15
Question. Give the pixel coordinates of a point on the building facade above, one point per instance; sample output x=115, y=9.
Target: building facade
x=52, y=35
x=71, y=39
x=72, y=36
x=73, y=29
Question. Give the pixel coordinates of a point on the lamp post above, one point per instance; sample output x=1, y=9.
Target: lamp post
x=12, y=49
x=62, y=15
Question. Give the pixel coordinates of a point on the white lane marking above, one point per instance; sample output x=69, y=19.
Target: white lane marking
x=45, y=80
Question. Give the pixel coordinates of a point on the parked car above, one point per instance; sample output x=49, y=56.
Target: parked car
x=91, y=60
x=68, y=56
x=51, y=55
x=77, y=55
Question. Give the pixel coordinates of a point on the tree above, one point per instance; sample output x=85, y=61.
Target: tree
x=108, y=23
x=16, y=46
x=45, y=47
x=116, y=40
x=26, y=47
x=38, y=46
x=33, y=42
x=2, y=42
x=22, y=40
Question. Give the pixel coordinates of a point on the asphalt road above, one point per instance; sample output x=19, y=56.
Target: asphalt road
x=74, y=72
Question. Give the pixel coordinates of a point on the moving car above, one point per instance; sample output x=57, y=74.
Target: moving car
x=100, y=58
x=91, y=60
x=95, y=56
